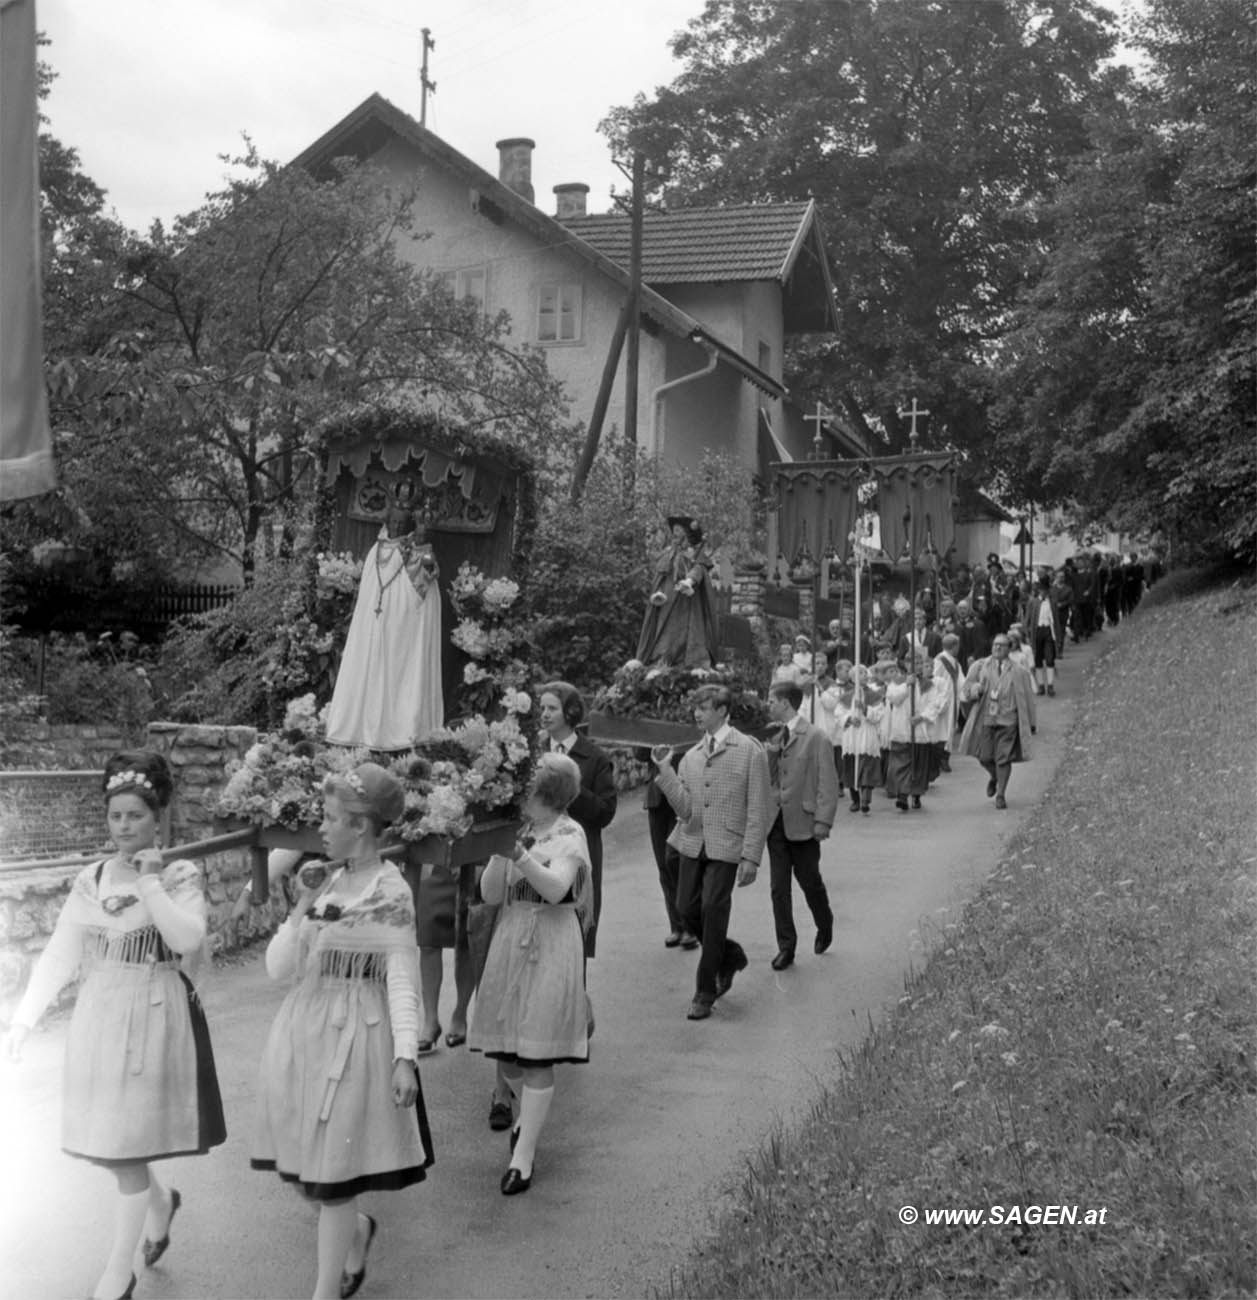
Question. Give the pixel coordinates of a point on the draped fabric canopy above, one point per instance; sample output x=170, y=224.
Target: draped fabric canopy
x=818, y=506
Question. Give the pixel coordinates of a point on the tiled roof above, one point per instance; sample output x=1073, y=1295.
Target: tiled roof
x=750, y=241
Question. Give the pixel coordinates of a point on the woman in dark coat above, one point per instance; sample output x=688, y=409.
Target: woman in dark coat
x=562, y=710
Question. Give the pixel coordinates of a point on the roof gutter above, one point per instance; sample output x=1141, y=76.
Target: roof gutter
x=713, y=358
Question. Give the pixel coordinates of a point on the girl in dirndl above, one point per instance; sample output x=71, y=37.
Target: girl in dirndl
x=531, y=1008
x=140, y=1084
x=340, y=1109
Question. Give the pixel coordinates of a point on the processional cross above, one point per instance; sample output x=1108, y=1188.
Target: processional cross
x=913, y=412
x=818, y=419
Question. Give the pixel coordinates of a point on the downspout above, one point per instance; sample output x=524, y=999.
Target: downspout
x=657, y=399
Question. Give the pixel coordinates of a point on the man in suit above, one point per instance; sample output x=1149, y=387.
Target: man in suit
x=975, y=640
x=802, y=805
x=922, y=640
x=720, y=793
x=1002, y=718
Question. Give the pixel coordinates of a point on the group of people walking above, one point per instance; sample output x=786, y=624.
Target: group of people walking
x=339, y=1105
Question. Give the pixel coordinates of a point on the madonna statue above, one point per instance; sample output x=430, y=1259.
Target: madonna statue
x=388, y=689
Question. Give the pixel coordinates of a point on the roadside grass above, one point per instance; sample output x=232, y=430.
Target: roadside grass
x=1084, y=1036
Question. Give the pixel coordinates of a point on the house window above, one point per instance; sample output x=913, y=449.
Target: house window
x=558, y=313
x=471, y=282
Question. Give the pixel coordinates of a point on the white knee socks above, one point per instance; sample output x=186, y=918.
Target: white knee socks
x=534, y=1106
x=128, y=1224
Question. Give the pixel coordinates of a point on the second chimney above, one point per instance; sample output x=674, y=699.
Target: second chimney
x=515, y=165
x=569, y=200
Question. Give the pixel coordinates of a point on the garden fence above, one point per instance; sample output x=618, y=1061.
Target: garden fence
x=49, y=815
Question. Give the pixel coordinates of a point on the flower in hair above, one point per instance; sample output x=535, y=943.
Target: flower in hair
x=121, y=780
x=355, y=783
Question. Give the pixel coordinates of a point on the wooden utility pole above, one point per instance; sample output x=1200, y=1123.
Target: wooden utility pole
x=425, y=86
x=633, y=338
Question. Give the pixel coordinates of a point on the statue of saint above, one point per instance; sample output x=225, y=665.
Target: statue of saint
x=388, y=689
x=680, y=625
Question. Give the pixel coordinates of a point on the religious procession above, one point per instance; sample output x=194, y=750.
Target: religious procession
x=557, y=752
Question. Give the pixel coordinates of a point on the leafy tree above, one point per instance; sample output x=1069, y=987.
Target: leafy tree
x=1127, y=385
x=284, y=299
x=929, y=135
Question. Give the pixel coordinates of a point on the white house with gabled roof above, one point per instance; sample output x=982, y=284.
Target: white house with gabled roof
x=722, y=288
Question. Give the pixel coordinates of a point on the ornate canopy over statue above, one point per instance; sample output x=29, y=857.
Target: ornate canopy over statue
x=474, y=494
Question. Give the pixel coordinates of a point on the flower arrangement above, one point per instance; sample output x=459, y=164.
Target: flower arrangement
x=279, y=781
x=454, y=776
x=637, y=691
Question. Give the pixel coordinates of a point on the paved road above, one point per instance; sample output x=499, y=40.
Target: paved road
x=641, y=1143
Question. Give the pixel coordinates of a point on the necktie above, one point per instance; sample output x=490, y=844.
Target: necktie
x=559, y=746
x=711, y=745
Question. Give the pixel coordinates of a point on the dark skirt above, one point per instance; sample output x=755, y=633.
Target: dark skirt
x=441, y=904
x=908, y=769
x=869, y=773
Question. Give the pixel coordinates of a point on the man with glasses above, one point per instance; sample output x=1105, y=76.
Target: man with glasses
x=1001, y=719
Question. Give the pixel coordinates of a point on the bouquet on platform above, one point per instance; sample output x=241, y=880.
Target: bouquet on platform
x=279, y=781
x=667, y=694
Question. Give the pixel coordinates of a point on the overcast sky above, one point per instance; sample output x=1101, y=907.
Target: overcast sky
x=151, y=92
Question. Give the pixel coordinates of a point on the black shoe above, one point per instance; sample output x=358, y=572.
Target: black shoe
x=990, y=788
x=500, y=1116
x=724, y=978
x=1000, y=801
x=864, y=808
x=700, y=1009
x=689, y=942
x=824, y=937
x=916, y=801
x=1038, y=690
x=855, y=805
x=901, y=804
x=783, y=959
x=154, y=1250
x=673, y=940
x=1051, y=690
x=350, y=1282
x=513, y=1182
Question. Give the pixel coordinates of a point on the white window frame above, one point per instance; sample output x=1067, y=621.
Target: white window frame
x=556, y=291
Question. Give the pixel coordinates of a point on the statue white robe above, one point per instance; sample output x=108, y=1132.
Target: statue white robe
x=388, y=689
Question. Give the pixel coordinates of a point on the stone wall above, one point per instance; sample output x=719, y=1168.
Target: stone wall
x=49, y=746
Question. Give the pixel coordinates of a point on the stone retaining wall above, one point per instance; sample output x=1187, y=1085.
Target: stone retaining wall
x=50, y=746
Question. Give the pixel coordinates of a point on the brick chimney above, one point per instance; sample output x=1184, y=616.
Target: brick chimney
x=515, y=165
x=569, y=200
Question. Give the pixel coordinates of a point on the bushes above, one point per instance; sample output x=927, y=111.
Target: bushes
x=106, y=682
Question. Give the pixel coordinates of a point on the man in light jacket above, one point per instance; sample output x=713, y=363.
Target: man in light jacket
x=720, y=792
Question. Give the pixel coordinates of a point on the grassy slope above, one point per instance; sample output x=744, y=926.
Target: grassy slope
x=1084, y=1037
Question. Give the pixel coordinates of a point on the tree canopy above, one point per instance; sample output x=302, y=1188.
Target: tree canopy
x=929, y=135
x=1127, y=383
